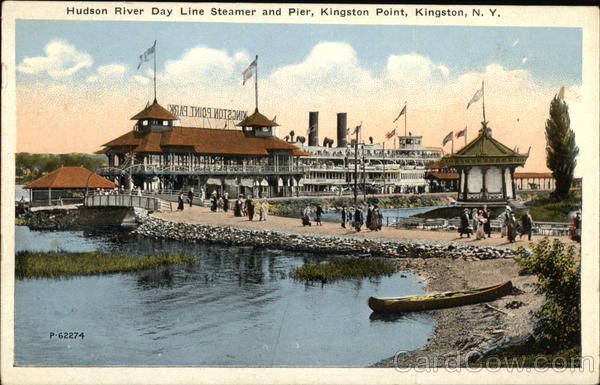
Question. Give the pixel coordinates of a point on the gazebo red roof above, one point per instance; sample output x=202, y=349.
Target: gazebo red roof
x=71, y=177
x=154, y=111
x=442, y=175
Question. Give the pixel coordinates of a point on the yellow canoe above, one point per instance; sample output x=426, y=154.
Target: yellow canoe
x=440, y=300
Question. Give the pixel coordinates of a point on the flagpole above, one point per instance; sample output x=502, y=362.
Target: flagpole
x=356, y=167
x=483, y=102
x=256, y=83
x=383, y=166
x=405, y=113
x=154, y=71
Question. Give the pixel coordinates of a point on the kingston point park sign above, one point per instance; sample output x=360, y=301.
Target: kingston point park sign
x=185, y=111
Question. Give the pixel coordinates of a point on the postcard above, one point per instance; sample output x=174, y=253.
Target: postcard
x=299, y=193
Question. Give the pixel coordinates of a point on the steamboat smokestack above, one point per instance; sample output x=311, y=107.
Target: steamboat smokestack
x=341, y=129
x=313, y=128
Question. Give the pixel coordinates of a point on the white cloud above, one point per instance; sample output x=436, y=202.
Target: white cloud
x=112, y=69
x=107, y=72
x=414, y=68
x=62, y=59
x=332, y=65
x=203, y=64
x=141, y=79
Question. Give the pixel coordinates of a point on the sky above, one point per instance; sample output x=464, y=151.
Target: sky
x=78, y=86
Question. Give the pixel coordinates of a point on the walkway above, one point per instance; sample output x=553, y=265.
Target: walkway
x=203, y=215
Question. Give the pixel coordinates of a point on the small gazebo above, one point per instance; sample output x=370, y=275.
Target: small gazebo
x=66, y=185
x=485, y=169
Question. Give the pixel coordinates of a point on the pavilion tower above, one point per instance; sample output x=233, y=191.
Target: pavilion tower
x=154, y=118
x=486, y=170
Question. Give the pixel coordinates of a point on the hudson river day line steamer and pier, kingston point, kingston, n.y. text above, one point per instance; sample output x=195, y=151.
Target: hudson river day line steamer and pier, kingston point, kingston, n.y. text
x=291, y=11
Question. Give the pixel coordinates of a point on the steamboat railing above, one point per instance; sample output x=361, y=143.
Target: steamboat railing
x=203, y=169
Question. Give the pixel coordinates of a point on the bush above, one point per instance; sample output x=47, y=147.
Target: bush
x=558, y=320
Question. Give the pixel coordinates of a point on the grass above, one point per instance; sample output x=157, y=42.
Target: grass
x=346, y=268
x=33, y=264
x=20, y=221
x=546, y=209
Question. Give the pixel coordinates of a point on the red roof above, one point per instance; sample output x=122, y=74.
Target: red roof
x=257, y=120
x=154, y=111
x=202, y=141
x=533, y=175
x=71, y=177
x=442, y=175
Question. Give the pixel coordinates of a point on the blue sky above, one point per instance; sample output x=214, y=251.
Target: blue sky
x=553, y=54
x=368, y=71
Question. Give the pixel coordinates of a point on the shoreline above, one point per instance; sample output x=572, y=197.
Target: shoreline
x=469, y=331
x=445, y=265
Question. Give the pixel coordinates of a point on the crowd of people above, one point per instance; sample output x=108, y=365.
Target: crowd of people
x=477, y=221
x=241, y=207
x=350, y=216
x=473, y=221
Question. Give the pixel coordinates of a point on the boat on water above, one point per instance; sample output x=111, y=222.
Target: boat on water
x=438, y=300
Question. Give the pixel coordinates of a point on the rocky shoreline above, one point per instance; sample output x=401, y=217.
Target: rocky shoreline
x=324, y=244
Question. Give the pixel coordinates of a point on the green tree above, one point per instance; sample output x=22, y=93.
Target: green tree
x=561, y=150
x=559, y=281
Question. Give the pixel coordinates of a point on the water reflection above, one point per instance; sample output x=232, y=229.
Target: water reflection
x=232, y=306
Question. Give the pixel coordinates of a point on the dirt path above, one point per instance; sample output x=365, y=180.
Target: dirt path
x=203, y=215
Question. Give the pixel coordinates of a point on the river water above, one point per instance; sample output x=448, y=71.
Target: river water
x=233, y=306
x=388, y=214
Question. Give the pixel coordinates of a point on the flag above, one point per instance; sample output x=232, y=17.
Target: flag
x=447, y=138
x=476, y=97
x=146, y=55
x=390, y=134
x=248, y=72
x=561, y=93
x=460, y=133
x=400, y=114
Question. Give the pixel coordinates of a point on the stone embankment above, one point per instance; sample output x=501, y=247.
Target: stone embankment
x=159, y=228
x=74, y=217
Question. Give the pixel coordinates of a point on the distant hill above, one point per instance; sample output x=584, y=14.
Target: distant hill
x=29, y=167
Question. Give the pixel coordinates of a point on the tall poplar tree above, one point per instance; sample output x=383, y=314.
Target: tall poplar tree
x=561, y=150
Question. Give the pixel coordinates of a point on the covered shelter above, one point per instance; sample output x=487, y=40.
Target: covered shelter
x=485, y=170
x=66, y=185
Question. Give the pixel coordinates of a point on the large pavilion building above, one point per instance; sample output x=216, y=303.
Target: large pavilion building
x=486, y=170
x=161, y=155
